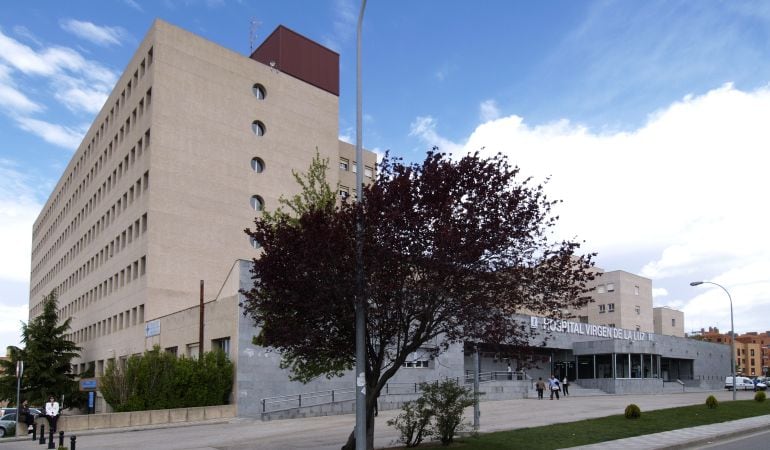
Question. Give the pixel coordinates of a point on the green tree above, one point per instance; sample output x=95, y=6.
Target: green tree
x=47, y=354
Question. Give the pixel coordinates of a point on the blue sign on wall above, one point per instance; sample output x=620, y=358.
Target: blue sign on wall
x=91, y=396
x=88, y=384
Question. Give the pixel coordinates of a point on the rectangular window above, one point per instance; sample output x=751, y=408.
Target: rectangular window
x=602, y=309
x=192, y=350
x=221, y=344
x=638, y=328
x=583, y=319
x=638, y=310
x=344, y=164
x=171, y=350
x=610, y=287
x=611, y=307
x=600, y=289
x=418, y=360
x=368, y=172
x=673, y=322
x=636, y=290
x=611, y=325
x=343, y=192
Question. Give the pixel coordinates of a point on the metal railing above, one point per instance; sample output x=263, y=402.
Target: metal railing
x=307, y=399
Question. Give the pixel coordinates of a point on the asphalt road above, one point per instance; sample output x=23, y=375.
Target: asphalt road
x=329, y=433
x=754, y=441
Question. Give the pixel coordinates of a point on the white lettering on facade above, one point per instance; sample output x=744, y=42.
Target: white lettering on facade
x=586, y=329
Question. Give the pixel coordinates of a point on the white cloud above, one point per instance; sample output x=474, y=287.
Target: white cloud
x=99, y=35
x=52, y=133
x=685, y=192
x=488, y=110
x=424, y=127
x=134, y=5
x=11, y=98
x=18, y=210
x=659, y=292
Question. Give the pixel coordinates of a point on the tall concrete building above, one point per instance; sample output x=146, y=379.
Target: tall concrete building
x=194, y=141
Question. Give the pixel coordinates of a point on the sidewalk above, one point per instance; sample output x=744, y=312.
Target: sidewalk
x=321, y=433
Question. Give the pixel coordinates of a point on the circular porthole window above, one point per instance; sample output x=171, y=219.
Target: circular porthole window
x=257, y=164
x=254, y=243
x=258, y=128
x=257, y=204
x=259, y=91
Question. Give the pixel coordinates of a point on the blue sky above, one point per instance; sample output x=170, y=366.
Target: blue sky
x=651, y=118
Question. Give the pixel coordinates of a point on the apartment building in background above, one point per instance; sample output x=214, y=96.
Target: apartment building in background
x=752, y=355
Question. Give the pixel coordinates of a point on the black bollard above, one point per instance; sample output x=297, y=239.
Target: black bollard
x=42, y=434
x=34, y=432
x=61, y=439
x=72, y=442
x=51, y=443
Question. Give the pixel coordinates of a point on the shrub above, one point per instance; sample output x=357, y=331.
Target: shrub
x=760, y=396
x=633, y=412
x=446, y=401
x=412, y=423
x=711, y=402
x=160, y=380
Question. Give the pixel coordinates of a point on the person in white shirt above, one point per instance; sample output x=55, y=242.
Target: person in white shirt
x=52, y=412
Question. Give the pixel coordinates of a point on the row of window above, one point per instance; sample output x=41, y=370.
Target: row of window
x=610, y=287
x=129, y=160
x=134, y=192
x=142, y=107
x=345, y=166
x=129, y=318
x=127, y=237
x=609, y=307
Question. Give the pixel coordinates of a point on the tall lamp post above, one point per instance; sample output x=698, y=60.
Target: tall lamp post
x=732, y=330
x=360, y=433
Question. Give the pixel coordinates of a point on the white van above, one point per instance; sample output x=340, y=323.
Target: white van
x=743, y=383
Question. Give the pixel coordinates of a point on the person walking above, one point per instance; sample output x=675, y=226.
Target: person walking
x=553, y=384
x=540, y=386
x=565, y=386
x=25, y=416
x=52, y=412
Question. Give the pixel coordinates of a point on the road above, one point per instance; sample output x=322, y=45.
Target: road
x=329, y=433
x=754, y=441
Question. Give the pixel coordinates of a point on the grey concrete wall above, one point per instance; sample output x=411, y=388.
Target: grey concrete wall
x=141, y=418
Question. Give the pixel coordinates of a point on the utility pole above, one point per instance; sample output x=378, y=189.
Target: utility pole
x=360, y=288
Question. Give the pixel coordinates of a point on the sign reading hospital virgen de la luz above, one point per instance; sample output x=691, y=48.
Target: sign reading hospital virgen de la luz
x=587, y=329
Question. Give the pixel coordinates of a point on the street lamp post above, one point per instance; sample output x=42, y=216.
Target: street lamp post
x=360, y=433
x=732, y=330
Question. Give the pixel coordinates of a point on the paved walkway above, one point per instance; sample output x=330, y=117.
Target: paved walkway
x=330, y=432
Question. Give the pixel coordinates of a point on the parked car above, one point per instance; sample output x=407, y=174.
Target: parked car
x=759, y=385
x=8, y=420
x=744, y=383
x=8, y=425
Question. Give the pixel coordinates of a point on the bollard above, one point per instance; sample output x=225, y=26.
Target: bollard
x=72, y=442
x=34, y=432
x=61, y=439
x=51, y=443
x=42, y=434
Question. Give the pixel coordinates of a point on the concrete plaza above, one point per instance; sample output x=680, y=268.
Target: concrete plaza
x=331, y=432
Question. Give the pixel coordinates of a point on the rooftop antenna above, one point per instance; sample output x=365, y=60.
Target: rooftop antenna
x=253, y=26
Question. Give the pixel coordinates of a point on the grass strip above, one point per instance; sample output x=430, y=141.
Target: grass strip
x=592, y=431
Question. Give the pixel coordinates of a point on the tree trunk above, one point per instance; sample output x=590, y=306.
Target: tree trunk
x=351, y=443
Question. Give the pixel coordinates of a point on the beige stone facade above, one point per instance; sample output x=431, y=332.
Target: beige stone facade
x=191, y=144
x=668, y=321
x=624, y=300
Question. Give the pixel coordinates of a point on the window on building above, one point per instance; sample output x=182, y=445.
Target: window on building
x=610, y=287
x=172, y=350
x=259, y=91
x=600, y=289
x=418, y=360
x=638, y=328
x=258, y=128
x=611, y=325
x=636, y=290
x=344, y=192
x=192, y=350
x=344, y=164
x=368, y=172
x=751, y=353
x=254, y=243
x=611, y=307
x=602, y=309
x=583, y=319
x=638, y=309
x=221, y=344
x=257, y=204
x=257, y=165
x=673, y=322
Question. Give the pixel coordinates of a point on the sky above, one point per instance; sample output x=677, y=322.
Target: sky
x=649, y=120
